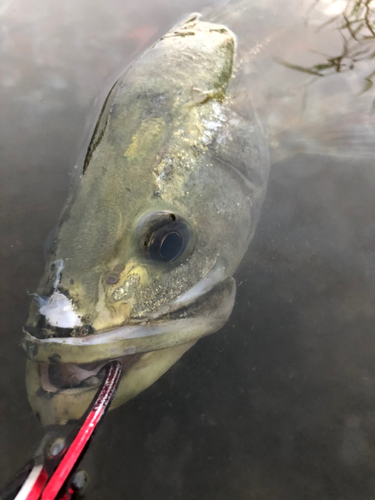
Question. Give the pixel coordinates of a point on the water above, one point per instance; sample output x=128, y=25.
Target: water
x=280, y=403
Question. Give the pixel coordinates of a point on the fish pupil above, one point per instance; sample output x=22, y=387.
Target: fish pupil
x=171, y=246
x=164, y=237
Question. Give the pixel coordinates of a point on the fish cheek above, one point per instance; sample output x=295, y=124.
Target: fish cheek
x=116, y=301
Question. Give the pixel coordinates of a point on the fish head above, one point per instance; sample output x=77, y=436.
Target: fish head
x=142, y=263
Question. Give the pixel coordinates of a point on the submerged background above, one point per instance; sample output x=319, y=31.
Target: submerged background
x=280, y=404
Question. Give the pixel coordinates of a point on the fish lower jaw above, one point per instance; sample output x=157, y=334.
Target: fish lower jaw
x=56, y=399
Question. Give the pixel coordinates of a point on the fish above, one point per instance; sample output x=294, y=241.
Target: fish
x=168, y=196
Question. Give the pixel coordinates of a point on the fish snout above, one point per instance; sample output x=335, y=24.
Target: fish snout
x=60, y=312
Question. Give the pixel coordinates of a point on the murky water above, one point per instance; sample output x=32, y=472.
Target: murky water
x=280, y=404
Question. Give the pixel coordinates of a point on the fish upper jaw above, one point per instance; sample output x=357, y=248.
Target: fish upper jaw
x=61, y=310
x=203, y=309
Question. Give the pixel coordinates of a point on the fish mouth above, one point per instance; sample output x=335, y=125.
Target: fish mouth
x=74, y=376
x=63, y=373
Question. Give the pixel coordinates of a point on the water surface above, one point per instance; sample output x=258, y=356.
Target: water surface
x=280, y=404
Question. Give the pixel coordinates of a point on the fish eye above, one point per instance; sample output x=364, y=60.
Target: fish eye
x=164, y=236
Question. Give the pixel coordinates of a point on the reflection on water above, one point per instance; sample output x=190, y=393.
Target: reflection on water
x=280, y=403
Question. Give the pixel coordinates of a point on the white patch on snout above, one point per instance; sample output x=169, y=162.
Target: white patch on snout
x=59, y=312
